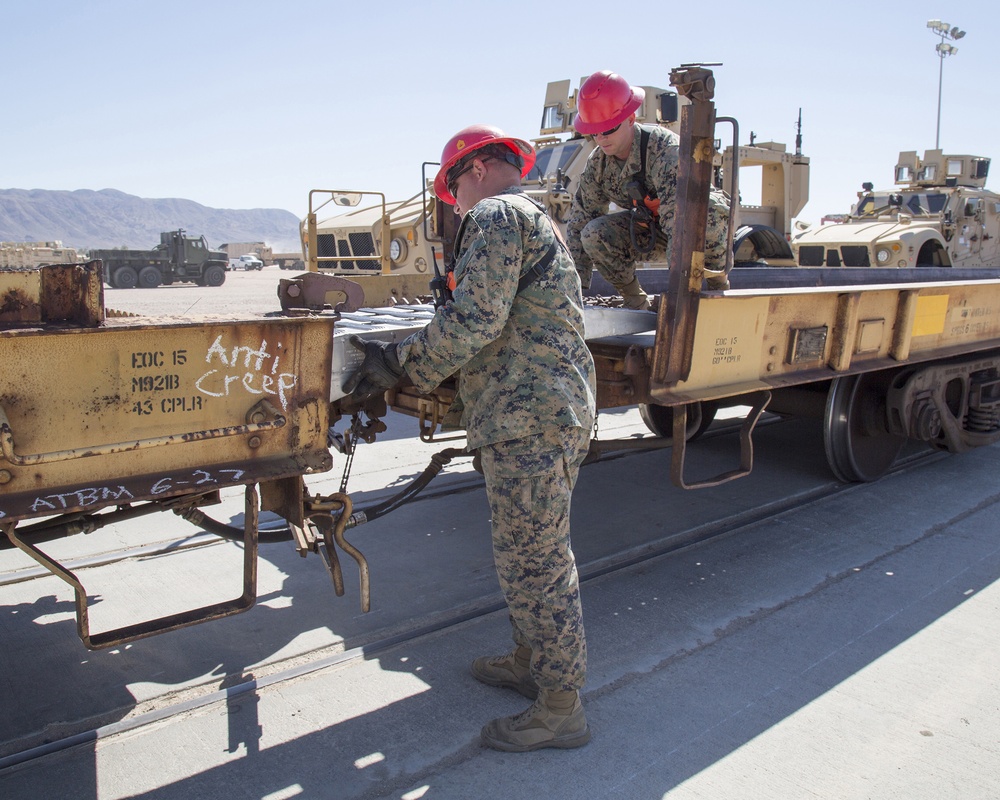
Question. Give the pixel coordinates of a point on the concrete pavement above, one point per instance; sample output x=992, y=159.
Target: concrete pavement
x=845, y=650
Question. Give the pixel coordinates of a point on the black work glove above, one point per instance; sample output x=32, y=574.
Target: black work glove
x=379, y=371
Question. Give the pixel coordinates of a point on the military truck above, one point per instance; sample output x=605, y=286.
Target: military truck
x=391, y=248
x=940, y=216
x=177, y=258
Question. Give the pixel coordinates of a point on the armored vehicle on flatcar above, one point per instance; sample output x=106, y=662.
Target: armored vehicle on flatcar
x=392, y=248
x=940, y=216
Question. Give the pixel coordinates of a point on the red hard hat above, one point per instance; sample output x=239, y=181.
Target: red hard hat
x=606, y=100
x=470, y=139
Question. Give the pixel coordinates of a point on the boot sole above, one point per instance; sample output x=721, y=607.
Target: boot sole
x=562, y=743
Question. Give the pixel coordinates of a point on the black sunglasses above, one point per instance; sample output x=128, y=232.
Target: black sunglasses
x=612, y=130
x=452, y=179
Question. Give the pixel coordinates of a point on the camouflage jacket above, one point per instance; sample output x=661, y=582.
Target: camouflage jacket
x=604, y=179
x=524, y=366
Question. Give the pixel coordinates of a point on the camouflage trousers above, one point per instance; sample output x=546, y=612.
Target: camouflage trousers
x=608, y=243
x=529, y=483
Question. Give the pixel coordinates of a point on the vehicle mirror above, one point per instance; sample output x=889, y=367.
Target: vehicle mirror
x=668, y=107
x=346, y=198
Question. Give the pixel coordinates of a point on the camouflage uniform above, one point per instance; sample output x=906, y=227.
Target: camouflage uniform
x=601, y=240
x=528, y=389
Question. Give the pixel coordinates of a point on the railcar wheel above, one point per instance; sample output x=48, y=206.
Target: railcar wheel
x=126, y=278
x=660, y=419
x=859, y=445
x=149, y=277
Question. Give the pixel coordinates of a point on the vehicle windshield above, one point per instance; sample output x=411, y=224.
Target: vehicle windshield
x=916, y=203
x=554, y=158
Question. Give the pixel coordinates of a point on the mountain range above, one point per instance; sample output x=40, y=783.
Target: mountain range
x=87, y=219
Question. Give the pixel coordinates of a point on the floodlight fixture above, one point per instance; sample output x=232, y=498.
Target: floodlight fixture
x=945, y=31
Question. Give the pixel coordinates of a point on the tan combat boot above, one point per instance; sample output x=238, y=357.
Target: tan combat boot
x=555, y=719
x=634, y=296
x=511, y=671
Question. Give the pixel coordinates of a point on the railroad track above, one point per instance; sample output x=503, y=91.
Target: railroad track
x=381, y=641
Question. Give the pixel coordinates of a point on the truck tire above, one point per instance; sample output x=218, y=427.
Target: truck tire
x=214, y=276
x=150, y=277
x=125, y=278
x=767, y=243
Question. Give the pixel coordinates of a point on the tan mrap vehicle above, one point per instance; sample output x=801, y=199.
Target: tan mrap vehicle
x=941, y=216
x=35, y=254
x=761, y=230
x=392, y=249
x=388, y=248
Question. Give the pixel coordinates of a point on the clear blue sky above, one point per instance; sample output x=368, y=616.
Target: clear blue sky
x=252, y=104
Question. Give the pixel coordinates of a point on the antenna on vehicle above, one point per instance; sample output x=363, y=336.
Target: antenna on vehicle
x=798, y=135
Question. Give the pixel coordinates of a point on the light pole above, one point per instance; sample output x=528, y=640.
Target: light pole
x=945, y=31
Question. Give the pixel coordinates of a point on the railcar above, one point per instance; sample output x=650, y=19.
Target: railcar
x=107, y=417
